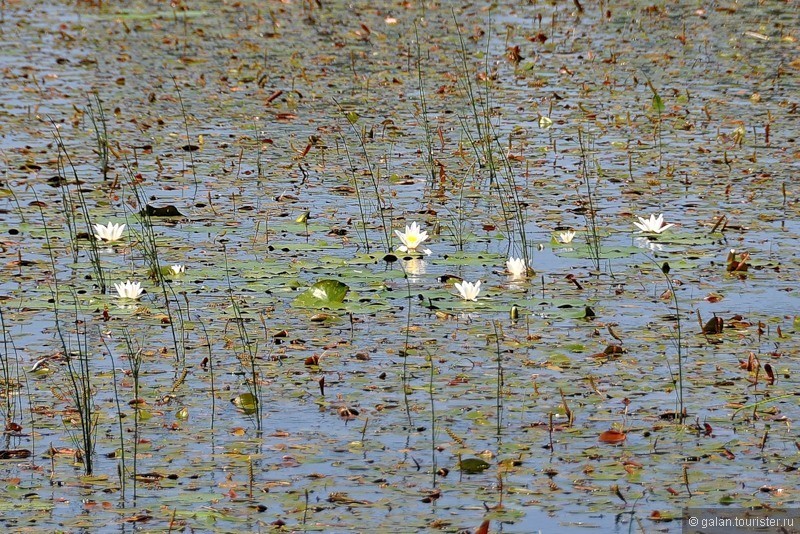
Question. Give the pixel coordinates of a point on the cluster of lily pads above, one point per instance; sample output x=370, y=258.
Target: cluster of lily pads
x=414, y=236
x=112, y=232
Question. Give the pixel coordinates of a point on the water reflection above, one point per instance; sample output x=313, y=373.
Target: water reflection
x=645, y=242
x=415, y=268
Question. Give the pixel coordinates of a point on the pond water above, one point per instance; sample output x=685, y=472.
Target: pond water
x=304, y=373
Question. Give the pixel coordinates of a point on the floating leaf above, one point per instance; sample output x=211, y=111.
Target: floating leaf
x=246, y=402
x=14, y=453
x=166, y=211
x=473, y=466
x=612, y=437
x=713, y=326
x=770, y=373
x=324, y=294
x=139, y=518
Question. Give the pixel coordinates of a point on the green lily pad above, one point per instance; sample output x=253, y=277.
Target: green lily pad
x=324, y=294
x=473, y=466
x=246, y=402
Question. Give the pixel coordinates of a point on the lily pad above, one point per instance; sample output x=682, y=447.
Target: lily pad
x=246, y=402
x=326, y=293
x=472, y=466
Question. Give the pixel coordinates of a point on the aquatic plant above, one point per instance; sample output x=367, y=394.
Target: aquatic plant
x=516, y=267
x=653, y=225
x=469, y=290
x=110, y=232
x=129, y=290
x=589, y=170
x=412, y=238
x=566, y=237
x=100, y=127
x=82, y=205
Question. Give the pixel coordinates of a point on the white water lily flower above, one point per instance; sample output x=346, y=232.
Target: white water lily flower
x=110, y=232
x=516, y=266
x=468, y=290
x=129, y=290
x=412, y=238
x=566, y=237
x=653, y=224
x=177, y=268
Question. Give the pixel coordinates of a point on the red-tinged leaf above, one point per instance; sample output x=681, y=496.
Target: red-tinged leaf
x=727, y=454
x=149, y=478
x=770, y=373
x=672, y=491
x=61, y=450
x=13, y=427
x=274, y=95
x=312, y=360
x=137, y=518
x=707, y=428
x=289, y=461
x=714, y=326
x=432, y=496
x=751, y=364
x=484, y=528
x=612, y=437
x=347, y=412
x=14, y=454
